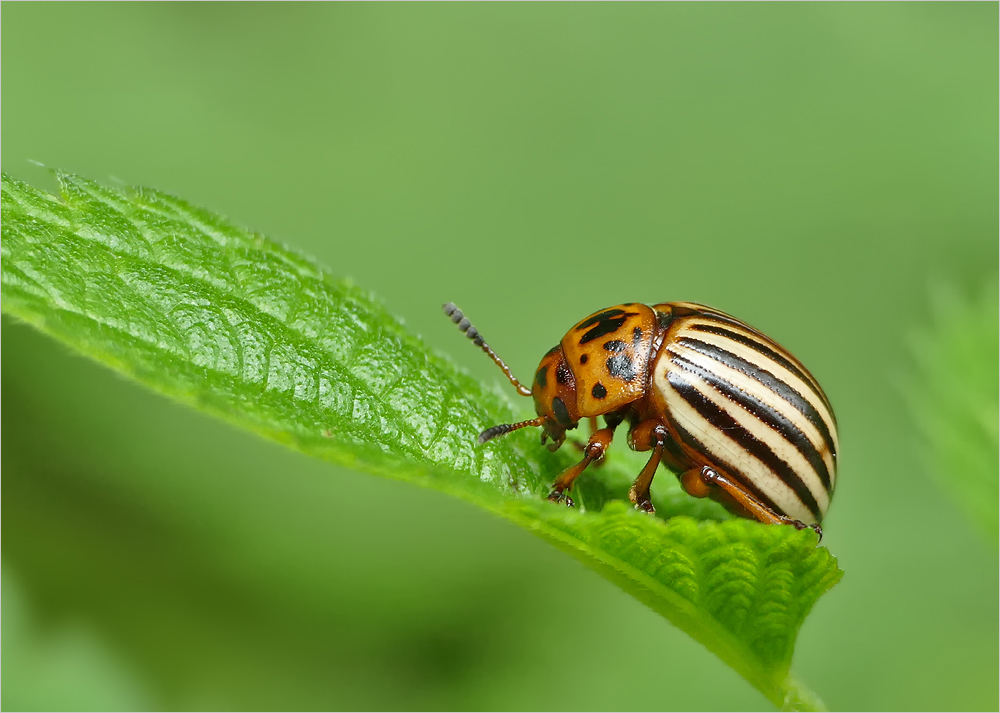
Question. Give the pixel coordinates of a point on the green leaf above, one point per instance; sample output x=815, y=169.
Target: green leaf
x=233, y=324
x=954, y=396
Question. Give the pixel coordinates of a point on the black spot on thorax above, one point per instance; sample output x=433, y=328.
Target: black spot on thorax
x=602, y=329
x=605, y=323
x=621, y=367
x=563, y=374
x=540, y=377
x=600, y=317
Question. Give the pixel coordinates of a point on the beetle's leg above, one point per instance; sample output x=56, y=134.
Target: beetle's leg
x=700, y=483
x=639, y=492
x=582, y=447
x=594, y=450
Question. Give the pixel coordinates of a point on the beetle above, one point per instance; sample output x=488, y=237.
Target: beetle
x=732, y=412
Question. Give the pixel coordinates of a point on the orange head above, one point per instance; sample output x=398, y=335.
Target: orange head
x=554, y=391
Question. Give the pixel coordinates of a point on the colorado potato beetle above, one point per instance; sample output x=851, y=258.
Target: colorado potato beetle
x=733, y=413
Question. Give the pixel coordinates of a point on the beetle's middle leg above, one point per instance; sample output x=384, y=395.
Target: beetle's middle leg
x=594, y=450
x=645, y=436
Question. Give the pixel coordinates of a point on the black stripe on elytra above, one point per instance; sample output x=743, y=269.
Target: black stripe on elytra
x=696, y=445
x=615, y=345
x=769, y=380
x=768, y=415
x=729, y=427
x=709, y=313
x=770, y=354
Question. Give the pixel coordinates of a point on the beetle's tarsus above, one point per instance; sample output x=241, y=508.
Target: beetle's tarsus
x=645, y=506
x=558, y=496
x=799, y=525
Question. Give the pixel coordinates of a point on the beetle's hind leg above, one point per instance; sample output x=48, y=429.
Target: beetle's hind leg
x=594, y=450
x=707, y=482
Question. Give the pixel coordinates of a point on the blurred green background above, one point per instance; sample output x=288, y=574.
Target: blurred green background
x=811, y=168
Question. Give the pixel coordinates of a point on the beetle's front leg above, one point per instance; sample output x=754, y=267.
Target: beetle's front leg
x=594, y=450
x=582, y=447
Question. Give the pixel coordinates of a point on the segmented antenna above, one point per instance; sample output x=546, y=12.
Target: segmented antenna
x=472, y=333
x=507, y=428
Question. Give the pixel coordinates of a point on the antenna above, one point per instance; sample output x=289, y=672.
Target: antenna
x=503, y=428
x=472, y=333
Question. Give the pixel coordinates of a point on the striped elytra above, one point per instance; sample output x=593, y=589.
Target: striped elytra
x=733, y=413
